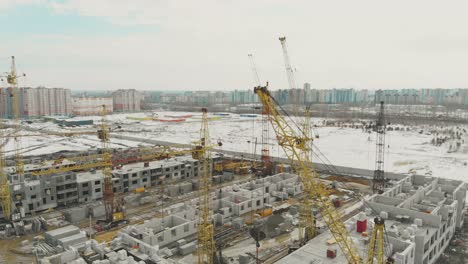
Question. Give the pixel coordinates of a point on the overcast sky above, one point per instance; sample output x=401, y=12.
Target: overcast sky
x=203, y=45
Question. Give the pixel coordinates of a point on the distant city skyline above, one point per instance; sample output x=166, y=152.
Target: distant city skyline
x=203, y=45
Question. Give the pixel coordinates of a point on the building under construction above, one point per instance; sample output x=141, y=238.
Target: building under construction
x=160, y=205
x=421, y=215
x=35, y=194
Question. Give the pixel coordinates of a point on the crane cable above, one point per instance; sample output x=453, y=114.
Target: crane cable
x=360, y=198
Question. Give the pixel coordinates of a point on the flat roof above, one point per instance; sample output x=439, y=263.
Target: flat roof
x=72, y=237
x=135, y=167
x=44, y=165
x=61, y=230
x=89, y=176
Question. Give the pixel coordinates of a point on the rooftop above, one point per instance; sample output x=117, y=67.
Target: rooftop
x=89, y=176
x=140, y=166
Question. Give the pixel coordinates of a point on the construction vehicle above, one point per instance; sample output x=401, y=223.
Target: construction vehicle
x=266, y=211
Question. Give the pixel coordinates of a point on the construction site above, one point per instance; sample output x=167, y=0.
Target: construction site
x=201, y=187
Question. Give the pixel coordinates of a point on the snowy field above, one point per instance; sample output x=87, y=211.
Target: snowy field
x=406, y=150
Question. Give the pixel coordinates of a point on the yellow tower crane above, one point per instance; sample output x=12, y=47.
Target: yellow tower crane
x=206, y=244
x=4, y=183
x=294, y=146
x=109, y=201
x=12, y=80
x=376, y=252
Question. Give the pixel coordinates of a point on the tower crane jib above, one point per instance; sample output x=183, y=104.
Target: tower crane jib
x=287, y=64
x=294, y=146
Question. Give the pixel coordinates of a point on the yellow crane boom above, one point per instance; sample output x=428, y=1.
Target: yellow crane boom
x=376, y=245
x=98, y=161
x=294, y=146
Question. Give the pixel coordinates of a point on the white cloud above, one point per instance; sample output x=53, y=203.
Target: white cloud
x=204, y=44
x=121, y=12
x=6, y=4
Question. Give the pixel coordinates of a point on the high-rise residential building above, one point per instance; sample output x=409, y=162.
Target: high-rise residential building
x=128, y=100
x=35, y=102
x=307, y=93
x=91, y=105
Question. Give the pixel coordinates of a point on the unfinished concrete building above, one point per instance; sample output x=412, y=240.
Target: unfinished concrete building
x=179, y=224
x=146, y=174
x=238, y=200
x=228, y=204
x=38, y=193
x=175, y=234
x=421, y=215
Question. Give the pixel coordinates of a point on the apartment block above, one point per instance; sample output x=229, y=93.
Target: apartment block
x=146, y=174
x=35, y=102
x=91, y=105
x=126, y=100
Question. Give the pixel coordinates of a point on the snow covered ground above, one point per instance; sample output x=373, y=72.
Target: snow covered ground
x=406, y=150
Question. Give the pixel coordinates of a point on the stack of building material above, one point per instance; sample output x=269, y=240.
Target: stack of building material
x=187, y=248
x=76, y=214
x=37, y=224
x=97, y=210
x=244, y=259
x=9, y=230
x=185, y=187
x=52, y=237
x=19, y=228
x=75, y=239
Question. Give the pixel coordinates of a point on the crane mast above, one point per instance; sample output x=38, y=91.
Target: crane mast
x=378, y=183
x=104, y=136
x=307, y=228
x=206, y=244
x=4, y=183
x=254, y=70
x=12, y=79
x=294, y=147
x=266, y=159
x=265, y=156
